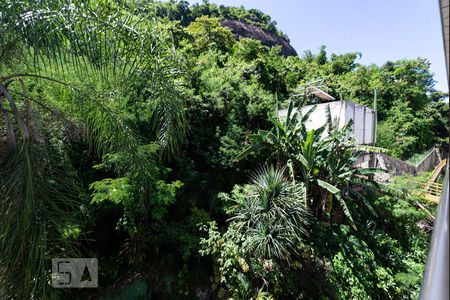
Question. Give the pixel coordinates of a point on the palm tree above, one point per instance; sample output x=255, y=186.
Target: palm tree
x=272, y=216
x=94, y=52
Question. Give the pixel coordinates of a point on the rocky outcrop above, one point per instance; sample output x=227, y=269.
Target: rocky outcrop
x=252, y=31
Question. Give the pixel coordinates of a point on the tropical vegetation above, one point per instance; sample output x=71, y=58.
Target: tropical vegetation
x=146, y=134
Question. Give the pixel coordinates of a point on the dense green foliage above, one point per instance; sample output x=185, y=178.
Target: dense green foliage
x=130, y=132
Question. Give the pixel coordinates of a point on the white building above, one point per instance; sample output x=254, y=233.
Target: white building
x=364, y=118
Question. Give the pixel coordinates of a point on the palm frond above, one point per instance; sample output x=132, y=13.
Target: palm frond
x=103, y=40
x=37, y=201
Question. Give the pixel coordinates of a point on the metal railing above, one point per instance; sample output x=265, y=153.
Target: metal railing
x=430, y=191
x=435, y=282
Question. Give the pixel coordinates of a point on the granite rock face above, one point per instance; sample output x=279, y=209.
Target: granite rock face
x=252, y=31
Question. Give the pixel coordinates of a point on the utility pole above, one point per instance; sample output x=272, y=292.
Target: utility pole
x=375, y=117
x=373, y=157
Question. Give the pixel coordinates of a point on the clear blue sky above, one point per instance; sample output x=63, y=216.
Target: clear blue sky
x=381, y=30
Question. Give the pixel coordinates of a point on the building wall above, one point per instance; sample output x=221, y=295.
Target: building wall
x=343, y=111
x=398, y=167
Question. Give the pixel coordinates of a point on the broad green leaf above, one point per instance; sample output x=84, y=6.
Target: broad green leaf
x=244, y=153
x=306, y=116
x=346, y=210
x=367, y=148
x=303, y=160
x=331, y=188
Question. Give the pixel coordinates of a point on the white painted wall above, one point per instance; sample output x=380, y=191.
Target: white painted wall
x=344, y=111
